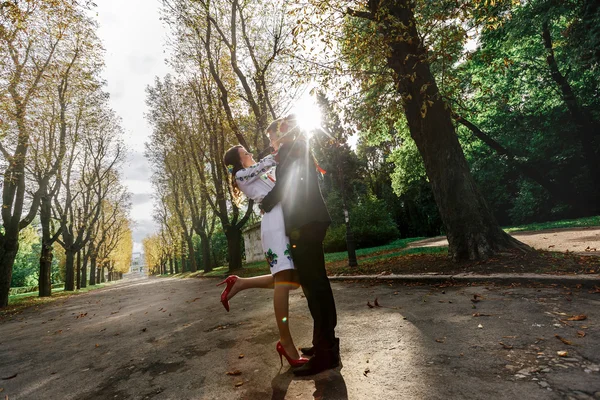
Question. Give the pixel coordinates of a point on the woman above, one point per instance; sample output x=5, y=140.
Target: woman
x=255, y=181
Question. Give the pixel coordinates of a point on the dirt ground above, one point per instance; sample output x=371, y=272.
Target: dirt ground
x=171, y=339
x=560, y=251
x=580, y=241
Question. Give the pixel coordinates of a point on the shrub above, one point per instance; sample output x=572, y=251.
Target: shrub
x=372, y=224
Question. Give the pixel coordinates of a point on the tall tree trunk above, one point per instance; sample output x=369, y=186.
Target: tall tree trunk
x=183, y=268
x=45, y=278
x=177, y=269
x=69, y=270
x=86, y=257
x=8, y=252
x=78, y=280
x=205, y=248
x=102, y=278
x=47, y=255
x=473, y=232
x=191, y=254
x=171, y=264
x=92, y=268
x=234, y=247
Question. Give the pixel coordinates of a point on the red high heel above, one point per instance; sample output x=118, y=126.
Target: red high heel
x=293, y=363
x=230, y=281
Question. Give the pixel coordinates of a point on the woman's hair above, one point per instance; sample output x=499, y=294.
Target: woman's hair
x=232, y=161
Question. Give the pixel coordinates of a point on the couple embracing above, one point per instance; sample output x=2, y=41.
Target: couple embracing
x=293, y=228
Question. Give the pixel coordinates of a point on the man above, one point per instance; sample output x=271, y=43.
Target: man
x=306, y=222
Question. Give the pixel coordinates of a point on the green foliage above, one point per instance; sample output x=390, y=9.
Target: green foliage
x=372, y=224
x=335, y=239
x=27, y=262
x=508, y=91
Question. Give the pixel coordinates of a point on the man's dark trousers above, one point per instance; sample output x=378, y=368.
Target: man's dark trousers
x=307, y=253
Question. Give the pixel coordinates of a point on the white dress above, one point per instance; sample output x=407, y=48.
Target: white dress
x=255, y=182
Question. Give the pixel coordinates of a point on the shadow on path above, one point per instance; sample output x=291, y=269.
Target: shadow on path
x=329, y=385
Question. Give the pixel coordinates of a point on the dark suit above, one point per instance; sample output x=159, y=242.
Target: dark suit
x=306, y=222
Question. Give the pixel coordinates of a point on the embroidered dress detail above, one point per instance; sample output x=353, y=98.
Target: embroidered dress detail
x=288, y=252
x=255, y=182
x=271, y=258
x=252, y=175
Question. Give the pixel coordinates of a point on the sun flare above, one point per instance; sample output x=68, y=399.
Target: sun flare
x=308, y=113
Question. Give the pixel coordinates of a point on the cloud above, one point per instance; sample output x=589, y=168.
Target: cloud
x=137, y=167
x=143, y=228
x=134, y=39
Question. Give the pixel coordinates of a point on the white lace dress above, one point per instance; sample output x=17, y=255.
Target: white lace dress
x=255, y=182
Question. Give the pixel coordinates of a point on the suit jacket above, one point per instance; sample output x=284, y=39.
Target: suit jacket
x=297, y=189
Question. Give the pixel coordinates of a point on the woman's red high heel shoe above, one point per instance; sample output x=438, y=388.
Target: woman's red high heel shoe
x=230, y=281
x=293, y=363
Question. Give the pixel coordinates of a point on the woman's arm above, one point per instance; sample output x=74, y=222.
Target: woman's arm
x=255, y=171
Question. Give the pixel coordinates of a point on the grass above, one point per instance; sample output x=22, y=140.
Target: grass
x=566, y=223
x=386, y=253
x=396, y=244
x=18, y=302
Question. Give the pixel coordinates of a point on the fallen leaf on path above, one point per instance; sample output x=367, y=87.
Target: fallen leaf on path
x=376, y=303
x=239, y=384
x=562, y=353
x=370, y=305
x=481, y=315
x=506, y=346
x=562, y=339
x=114, y=312
x=10, y=377
x=191, y=301
x=581, y=333
x=234, y=373
x=144, y=329
x=440, y=340
x=580, y=317
x=1, y=389
x=480, y=326
x=509, y=337
x=366, y=371
x=97, y=345
x=241, y=356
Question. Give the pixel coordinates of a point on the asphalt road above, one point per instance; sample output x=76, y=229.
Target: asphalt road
x=172, y=339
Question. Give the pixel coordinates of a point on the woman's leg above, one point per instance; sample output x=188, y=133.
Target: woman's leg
x=256, y=282
x=284, y=282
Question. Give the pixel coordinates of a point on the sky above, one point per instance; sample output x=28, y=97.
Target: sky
x=134, y=39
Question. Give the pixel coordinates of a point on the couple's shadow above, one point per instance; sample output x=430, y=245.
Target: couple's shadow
x=329, y=385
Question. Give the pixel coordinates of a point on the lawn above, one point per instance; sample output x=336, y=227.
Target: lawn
x=394, y=257
x=18, y=302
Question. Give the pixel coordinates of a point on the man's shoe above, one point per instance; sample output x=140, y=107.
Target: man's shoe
x=310, y=351
x=320, y=362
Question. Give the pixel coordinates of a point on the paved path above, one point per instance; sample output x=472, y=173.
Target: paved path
x=584, y=241
x=171, y=339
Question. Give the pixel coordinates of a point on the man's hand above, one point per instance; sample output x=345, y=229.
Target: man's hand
x=266, y=206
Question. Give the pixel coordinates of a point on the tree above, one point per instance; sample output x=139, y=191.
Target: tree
x=86, y=180
x=31, y=33
x=391, y=31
